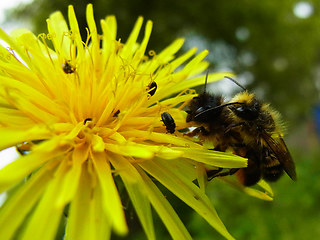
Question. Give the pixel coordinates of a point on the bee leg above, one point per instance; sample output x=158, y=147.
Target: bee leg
x=213, y=173
x=233, y=125
x=198, y=130
x=217, y=173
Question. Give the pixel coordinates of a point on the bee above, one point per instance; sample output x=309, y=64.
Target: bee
x=250, y=128
x=68, y=68
x=152, y=88
x=168, y=122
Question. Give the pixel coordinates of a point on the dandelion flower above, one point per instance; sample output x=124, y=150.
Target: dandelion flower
x=89, y=114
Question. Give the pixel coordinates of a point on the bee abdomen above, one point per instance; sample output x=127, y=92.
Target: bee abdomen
x=248, y=177
x=272, y=169
x=252, y=174
x=272, y=173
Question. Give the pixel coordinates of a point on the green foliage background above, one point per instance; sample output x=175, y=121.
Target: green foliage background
x=277, y=56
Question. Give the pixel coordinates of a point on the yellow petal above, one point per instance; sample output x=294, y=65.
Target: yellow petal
x=45, y=219
x=165, y=211
x=186, y=167
x=124, y=168
x=138, y=151
x=72, y=176
x=127, y=52
x=59, y=30
x=266, y=187
x=16, y=69
x=141, y=50
x=17, y=48
x=249, y=190
x=110, y=27
x=188, y=192
x=193, y=64
x=161, y=138
x=111, y=199
x=98, y=144
x=258, y=194
x=183, y=58
x=86, y=218
x=11, y=137
x=214, y=158
x=74, y=27
x=22, y=201
x=201, y=176
x=134, y=186
x=95, y=41
x=31, y=97
x=167, y=54
x=8, y=57
x=17, y=170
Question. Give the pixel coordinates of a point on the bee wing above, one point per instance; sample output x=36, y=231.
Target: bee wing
x=279, y=148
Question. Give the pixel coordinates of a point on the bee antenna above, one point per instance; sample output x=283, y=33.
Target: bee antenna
x=218, y=107
x=233, y=80
x=205, y=83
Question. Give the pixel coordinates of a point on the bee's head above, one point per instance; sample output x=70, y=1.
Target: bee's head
x=201, y=103
x=246, y=106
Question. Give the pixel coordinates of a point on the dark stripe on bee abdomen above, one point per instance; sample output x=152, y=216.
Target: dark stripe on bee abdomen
x=272, y=168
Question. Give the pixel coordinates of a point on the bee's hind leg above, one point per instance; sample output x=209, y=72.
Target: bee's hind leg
x=217, y=173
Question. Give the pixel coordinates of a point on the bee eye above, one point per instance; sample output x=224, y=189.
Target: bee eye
x=239, y=109
x=246, y=113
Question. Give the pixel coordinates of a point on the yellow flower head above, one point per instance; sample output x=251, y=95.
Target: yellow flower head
x=89, y=114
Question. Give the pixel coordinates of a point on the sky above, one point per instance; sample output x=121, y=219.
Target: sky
x=4, y=6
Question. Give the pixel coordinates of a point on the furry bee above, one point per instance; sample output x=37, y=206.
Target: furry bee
x=168, y=122
x=252, y=130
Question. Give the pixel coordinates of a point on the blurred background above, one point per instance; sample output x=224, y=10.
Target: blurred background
x=274, y=48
